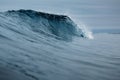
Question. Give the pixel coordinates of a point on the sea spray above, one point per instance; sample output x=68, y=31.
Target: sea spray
x=81, y=28
x=86, y=32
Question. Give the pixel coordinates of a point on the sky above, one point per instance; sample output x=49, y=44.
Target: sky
x=93, y=13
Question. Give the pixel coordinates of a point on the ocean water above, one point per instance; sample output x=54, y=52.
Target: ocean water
x=43, y=46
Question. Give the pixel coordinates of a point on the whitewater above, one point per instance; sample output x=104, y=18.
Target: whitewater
x=42, y=46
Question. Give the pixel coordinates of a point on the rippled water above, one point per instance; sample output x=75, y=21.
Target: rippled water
x=51, y=59
x=30, y=49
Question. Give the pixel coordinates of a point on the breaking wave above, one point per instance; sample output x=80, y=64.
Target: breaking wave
x=52, y=25
x=41, y=46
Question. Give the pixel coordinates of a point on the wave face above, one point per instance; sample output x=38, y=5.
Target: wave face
x=58, y=26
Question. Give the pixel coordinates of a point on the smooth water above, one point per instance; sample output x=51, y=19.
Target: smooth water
x=39, y=57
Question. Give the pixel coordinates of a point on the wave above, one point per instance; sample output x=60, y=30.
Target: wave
x=52, y=25
x=32, y=44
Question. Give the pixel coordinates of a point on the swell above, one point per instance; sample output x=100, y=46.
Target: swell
x=52, y=25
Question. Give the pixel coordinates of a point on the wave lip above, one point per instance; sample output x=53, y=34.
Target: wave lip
x=58, y=26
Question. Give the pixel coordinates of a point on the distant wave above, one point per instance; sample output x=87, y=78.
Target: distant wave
x=52, y=25
x=108, y=31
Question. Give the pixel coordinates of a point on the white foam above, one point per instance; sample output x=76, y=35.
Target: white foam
x=85, y=30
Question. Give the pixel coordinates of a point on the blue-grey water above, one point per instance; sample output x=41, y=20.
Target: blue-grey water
x=34, y=53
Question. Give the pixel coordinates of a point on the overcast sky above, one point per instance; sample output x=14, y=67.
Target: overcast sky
x=94, y=13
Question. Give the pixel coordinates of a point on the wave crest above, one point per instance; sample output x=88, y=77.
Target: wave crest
x=58, y=26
